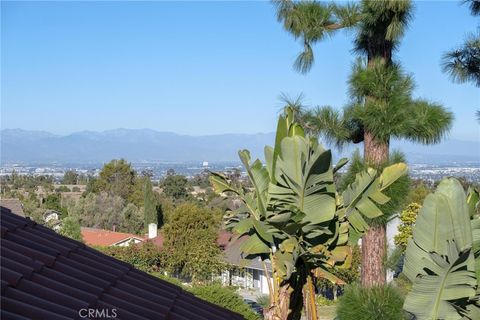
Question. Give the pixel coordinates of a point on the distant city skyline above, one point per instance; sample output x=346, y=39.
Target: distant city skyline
x=196, y=68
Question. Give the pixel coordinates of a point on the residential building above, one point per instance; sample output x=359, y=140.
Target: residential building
x=247, y=274
x=100, y=237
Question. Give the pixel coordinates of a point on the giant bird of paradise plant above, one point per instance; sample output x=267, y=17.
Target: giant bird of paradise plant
x=443, y=257
x=295, y=217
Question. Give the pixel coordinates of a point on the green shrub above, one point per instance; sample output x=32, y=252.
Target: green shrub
x=145, y=257
x=376, y=303
x=226, y=298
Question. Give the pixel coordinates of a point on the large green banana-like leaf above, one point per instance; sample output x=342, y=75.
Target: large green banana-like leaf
x=362, y=196
x=259, y=177
x=293, y=214
x=439, y=259
x=222, y=184
x=304, y=180
x=473, y=202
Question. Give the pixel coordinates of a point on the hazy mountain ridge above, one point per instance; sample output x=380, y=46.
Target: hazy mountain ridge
x=134, y=145
x=145, y=144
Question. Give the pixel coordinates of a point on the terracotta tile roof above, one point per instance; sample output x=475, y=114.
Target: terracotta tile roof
x=13, y=205
x=47, y=276
x=100, y=237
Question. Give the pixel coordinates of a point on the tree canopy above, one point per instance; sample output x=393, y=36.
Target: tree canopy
x=175, y=186
x=190, y=242
x=117, y=178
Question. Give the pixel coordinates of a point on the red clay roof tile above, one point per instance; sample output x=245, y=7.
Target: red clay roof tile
x=100, y=237
x=47, y=276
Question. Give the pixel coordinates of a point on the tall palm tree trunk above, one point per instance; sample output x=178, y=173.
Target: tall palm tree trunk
x=374, y=241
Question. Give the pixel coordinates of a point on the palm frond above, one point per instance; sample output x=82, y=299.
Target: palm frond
x=474, y=6
x=305, y=59
x=312, y=21
x=332, y=125
x=380, y=92
x=463, y=64
x=427, y=123
x=382, y=25
x=295, y=103
x=348, y=15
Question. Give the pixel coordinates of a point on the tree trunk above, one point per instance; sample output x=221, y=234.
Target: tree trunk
x=374, y=241
x=309, y=304
x=288, y=300
x=373, y=255
x=375, y=154
x=280, y=309
x=375, y=151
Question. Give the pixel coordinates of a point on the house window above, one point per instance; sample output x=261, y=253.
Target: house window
x=256, y=278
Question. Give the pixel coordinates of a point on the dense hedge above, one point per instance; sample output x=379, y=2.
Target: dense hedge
x=145, y=257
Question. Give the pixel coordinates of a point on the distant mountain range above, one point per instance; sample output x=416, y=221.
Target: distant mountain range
x=26, y=146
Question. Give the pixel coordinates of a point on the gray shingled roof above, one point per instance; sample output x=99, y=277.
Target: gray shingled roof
x=233, y=255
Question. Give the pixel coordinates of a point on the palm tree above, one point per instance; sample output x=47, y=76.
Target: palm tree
x=382, y=106
x=463, y=63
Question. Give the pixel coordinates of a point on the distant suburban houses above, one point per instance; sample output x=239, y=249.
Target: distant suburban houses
x=246, y=274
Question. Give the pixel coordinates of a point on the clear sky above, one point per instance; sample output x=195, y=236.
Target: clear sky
x=195, y=67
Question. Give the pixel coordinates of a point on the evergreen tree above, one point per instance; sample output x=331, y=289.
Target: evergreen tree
x=150, y=209
x=382, y=106
x=116, y=178
x=463, y=63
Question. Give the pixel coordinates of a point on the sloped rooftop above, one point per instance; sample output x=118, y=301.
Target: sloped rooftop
x=100, y=237
x=47, y=276
x=14, y=205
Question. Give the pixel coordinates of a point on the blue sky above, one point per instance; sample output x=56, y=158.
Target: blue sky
x=195, y=67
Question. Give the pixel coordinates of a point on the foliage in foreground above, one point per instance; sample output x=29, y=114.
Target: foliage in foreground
x=375, y=303
x=396, y=192
x=349, y=275
x=442, y=258
x=295, y=217
x=224, y=297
